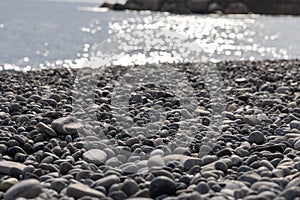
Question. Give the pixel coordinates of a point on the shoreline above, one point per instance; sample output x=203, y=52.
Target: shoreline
x=267, y=7
x=256, y=155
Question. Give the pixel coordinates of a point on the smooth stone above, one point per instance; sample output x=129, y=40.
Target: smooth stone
x=295, y=124
x=219, y=165
x=204, y=150
x=202, y=188
x=251, y=120
x=294, y=182
x=156, y=161
x=157, y=152
x=291, y=193
x=187, y=161
x=7, y=183
x=162, y=185
x=11, y=168
x=73, y=128
x=250, y=177
x=95, y=156
x=108, y=181
x=266, y=164
x=79, y=190
x=117, y=195
x=191, y=162
x=208, y=159
x=29, y=188
x=65, y=167
x=257, y=137
x=260, y=184
x=113, y=162
x=132, y=141
x=129, y=187
x=58, y=124
x=3, y=149
x=129, y=168
x=297, y=145
x=58, y=184
x=46, y=129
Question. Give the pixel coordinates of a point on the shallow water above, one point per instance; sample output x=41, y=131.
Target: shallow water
x=41, y=34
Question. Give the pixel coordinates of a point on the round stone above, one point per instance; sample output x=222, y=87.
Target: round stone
x=129, y=187
x=162, y=185
x=202, y=188
x=257, y=137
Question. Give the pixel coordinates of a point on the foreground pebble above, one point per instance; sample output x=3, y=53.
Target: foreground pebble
x=246, y=147
x=30, y=188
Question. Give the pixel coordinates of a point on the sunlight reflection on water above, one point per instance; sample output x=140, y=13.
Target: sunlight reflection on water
x=143, y=38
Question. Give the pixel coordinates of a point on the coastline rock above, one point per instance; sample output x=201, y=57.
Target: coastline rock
x=236, y=8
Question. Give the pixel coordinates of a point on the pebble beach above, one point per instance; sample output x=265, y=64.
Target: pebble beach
x=243, y=145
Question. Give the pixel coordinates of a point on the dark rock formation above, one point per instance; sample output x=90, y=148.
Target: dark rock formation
x=271, y=7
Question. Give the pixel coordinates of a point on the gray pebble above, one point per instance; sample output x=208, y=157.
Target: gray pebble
x=257, y=137
x=79, y=190
x=202, y=188
x=11, y=168
x=95, y=156
x=29, y=188
x=129, y=187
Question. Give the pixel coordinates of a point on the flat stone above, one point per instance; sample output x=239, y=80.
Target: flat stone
x=240, y=80
x=108, y=181
x=95, y=156
x=251, y=120
x=208, y=159
x=260, y=184
x=117, y=195
x=250, y=177
x=58, y=124
x=162, y=185
x=79, y=190
x=29, y=189
x=46, y=129
x=73, y=128
x=191, y=162
x=11, y=168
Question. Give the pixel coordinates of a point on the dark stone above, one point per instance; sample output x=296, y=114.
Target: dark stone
x=257, y=137
x=162, y=185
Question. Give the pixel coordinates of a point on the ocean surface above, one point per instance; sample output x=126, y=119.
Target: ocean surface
x=53, y=33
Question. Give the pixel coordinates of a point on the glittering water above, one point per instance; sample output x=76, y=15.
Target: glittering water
x=40, y=34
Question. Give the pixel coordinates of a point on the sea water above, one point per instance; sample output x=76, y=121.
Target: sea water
x=53, y=33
